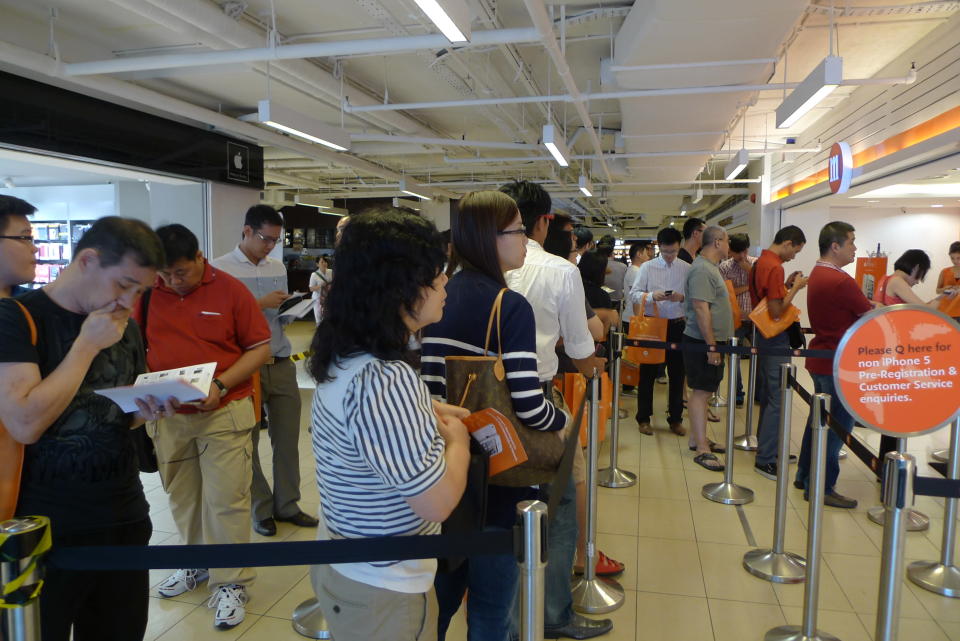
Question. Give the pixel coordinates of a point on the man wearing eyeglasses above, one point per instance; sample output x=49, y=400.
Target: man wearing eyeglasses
x=266, y=278
x=18, y=253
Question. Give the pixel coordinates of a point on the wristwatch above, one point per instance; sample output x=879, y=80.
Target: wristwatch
x=223, y=388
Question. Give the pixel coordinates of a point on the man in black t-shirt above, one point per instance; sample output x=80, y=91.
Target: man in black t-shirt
x=692, y=239
x=80, y=468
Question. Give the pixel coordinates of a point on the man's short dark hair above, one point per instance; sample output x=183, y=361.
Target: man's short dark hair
x=606, y=245
x=692, y=225
x=668, y=236
x=260, y=215
x=12, y=206
x=584, y=236
x=739, y=242
x=532, y=200
x=833, y=232
x=637, y=247
x=954, y=247
x=914, y=259
x=179, y=243
x=114, y=238
x=792, y=233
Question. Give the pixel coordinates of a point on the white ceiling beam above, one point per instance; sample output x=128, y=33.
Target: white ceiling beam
x=295, y=52
x=443, y=142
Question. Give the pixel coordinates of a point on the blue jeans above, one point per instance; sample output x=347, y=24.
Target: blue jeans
x=492, y=582
x=823, y=384
x=768, y=426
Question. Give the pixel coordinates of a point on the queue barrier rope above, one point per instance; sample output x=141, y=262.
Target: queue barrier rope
x=730, y=349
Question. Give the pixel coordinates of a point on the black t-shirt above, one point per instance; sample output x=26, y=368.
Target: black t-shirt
x=684, y=255
x=82, y=472
x=596, y=297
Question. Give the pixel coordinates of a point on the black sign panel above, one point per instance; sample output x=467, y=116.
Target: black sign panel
x=40, y=116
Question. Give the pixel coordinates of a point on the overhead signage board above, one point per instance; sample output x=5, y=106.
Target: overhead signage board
x=840, y=167
x=897, y=370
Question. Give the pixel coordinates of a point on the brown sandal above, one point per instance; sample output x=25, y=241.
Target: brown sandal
x=708, y=461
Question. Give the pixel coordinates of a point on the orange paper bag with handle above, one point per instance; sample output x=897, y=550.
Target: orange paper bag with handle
x=734, y=305
x=649, y=328
x=11, y=451
x=771, y=327
x=574, y=388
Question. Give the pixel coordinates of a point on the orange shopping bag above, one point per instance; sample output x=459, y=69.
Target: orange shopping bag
x=574, y=387
x=734, y=305
x=771, y=327
x=650, y=328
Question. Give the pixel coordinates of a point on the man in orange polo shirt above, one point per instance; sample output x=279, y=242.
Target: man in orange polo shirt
x=199, y=314
x=767, y=281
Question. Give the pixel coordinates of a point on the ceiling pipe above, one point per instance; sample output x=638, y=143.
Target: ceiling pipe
x=638, y=154
x=544, y=25
x=693, y=65
x=290, y=180
x=296, y=52
x=444, y=142
x=664, y=192
x=150, y=101
x=617, y=95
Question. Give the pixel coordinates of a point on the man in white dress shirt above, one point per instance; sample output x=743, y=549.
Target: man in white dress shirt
x=554, y=289
x=663, y=280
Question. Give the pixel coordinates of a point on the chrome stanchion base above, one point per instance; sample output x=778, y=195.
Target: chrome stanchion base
x=783, y=567
x=916, y=520
x=940, y=455
x=746, y=442
x=597, y=596
x=308, y=620
x=717, y=401
x=615, y=478
x=936, y=577
x=727, y=493
x=842, y=455
x=795, y=633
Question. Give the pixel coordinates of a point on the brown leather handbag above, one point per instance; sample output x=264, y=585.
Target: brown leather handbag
x=479, y=382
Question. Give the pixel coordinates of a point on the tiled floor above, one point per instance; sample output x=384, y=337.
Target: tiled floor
x=684, y=580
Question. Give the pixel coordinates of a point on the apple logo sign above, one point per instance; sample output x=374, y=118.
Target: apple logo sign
x=238, y=160
x=238, y=167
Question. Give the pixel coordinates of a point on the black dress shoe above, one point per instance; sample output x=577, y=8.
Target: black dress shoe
x=266, y=527
x=579, y=627
x=300, y=519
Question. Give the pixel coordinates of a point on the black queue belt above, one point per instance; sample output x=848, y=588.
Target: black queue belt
x=730, y=349
x=241, y=555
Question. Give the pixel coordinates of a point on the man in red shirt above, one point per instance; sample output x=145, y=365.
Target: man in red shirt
x=767, y=281
x=199, y=314
x=834, y=303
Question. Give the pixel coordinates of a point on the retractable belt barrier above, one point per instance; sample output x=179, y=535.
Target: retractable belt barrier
x=730, y=349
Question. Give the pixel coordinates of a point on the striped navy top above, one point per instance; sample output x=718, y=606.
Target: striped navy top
x=461, y=332
x=376, y=443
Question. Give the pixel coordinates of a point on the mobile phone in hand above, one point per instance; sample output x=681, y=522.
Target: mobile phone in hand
x=669, y=292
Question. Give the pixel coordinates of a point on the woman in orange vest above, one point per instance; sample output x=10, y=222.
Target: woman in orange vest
x=950, y=276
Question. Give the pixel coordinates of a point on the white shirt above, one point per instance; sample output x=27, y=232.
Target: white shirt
x=554, y=289
x=658, y=276
x=628, y=279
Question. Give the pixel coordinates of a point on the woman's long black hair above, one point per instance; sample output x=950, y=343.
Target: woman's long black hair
x=384, y=258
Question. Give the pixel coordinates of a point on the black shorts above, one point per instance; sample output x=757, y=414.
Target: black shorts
x=700, y=374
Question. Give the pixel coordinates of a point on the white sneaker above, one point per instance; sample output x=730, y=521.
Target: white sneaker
x=229, y=601
x=182, y=581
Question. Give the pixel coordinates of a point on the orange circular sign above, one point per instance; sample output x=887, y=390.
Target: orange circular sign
x=897, y=370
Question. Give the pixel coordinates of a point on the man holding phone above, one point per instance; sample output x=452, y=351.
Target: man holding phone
x=663, y=281
x=767, y=281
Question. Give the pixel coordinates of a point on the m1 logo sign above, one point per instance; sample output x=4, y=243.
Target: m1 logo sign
x=841, y=167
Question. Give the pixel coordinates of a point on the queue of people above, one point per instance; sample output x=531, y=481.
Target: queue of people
x=391, y=450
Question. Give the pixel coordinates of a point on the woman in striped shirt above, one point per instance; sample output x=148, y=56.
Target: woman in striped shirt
x=488, y=239
x=390, y=462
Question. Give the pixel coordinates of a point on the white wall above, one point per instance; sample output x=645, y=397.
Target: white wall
x=228, y=204
x=62, y=202
x=184, y=204
x=931, y=230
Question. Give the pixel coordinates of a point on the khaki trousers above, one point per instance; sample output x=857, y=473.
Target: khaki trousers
x=205, y=466
x=359, y=612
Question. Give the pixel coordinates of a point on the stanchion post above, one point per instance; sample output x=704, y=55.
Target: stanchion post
x=614, y=477
x=593, y=594
x=916, y=521
x=811, y=592
x=533, y=561
x=727, y=492
x=943, y=577
x=774, y=564
x=21, y=623
x=748, y=441
x=899, y=470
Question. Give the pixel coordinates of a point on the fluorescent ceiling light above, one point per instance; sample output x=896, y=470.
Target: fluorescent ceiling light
x=936, y=205
x=556, y=146
x=821, y=82
x=452, y=18
x=586, y=187
x=908, y=190
x=698, y=196
x=297, y=124
x=321, y=204
x=408, y=186
x=736, y=164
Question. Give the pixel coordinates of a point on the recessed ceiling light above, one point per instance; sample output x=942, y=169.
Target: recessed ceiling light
x=936, y=205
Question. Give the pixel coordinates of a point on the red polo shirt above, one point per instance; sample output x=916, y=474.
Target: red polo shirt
x=766, y=278
x=834, y=303
x=218, y=321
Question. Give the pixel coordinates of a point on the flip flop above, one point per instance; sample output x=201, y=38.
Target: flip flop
x=605, y=566
x=711, y=417
x=716, y=448
x=708, y=461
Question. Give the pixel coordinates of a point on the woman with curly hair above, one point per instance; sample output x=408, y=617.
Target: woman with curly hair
x=389, y=461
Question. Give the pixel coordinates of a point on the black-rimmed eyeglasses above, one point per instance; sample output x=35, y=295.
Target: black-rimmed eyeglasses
x=26, y=239
x=507, y=232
